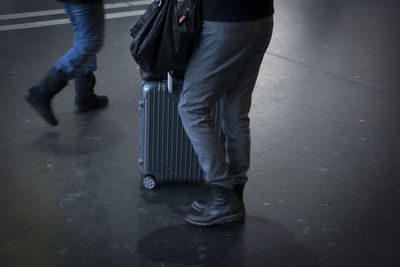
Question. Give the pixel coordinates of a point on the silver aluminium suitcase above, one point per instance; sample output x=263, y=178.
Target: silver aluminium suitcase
x=166, y=154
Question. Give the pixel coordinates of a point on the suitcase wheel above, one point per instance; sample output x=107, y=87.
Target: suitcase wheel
x=149, y=182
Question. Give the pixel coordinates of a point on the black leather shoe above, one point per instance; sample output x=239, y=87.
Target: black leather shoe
x=200, y=204
x=85, y=98
x=224, y=207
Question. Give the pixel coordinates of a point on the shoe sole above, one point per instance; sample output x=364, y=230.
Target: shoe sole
x=237, y=217
x=196, y=208
x=88, y=109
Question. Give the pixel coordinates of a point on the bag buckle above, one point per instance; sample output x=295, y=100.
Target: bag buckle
x=159, y=2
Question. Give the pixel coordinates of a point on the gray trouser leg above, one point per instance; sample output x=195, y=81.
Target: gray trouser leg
x=236, y=121
x=226, y=66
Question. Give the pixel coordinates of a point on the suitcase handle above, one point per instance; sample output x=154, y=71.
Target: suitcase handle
x=170, y=83
x=173, y=83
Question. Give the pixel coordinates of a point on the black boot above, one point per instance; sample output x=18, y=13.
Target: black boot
x=224, y=207
x=40, y=95
x=200, y=204
x=85, y=98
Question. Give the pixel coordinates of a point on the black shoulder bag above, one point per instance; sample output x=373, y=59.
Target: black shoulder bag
x=164, y=36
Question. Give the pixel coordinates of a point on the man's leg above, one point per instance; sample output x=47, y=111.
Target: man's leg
x=220, y=63
x=236, y=107
x=208, y=76
x=88, y=23
x=224, y=49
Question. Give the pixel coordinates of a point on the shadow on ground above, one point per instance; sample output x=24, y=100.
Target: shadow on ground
x=88, y=133
x=257, y=242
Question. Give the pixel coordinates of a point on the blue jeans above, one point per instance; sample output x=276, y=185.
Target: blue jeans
x=224, y=67
x=88, y=23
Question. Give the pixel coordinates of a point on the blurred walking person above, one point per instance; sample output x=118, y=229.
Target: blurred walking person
x=79, y=63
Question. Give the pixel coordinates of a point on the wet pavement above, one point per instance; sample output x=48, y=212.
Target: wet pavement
x=324, y=182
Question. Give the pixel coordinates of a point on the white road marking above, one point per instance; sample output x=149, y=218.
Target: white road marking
x=66, y=21
x=61, y=11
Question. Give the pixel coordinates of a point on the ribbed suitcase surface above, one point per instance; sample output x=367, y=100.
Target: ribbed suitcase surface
x=166, y=154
